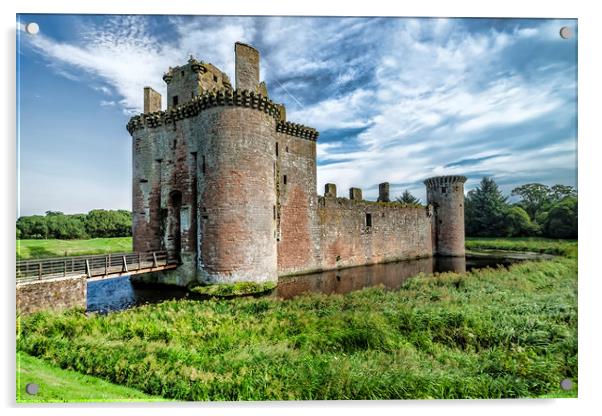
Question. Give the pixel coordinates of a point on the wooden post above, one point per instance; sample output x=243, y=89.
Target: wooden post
x=72, y=265
x=125, y=265
x=106, y=265
x=139, y=261
x=65, y=268
x=40, y=270
x=88, y=272
x=154, y=259
x=109, y=260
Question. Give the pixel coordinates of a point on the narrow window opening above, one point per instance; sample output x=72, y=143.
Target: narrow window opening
x=274, y=211
x=215, y=78
x=286, y=149
x=182, y=73
x=443, y=189
x=368, y=220
x=175, y=100
x=284, y=179
x=204, y=166
x=276, y=148
x=143, y=180
x=192, y=94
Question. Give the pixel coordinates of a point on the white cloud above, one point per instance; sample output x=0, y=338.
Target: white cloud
x=104, y=103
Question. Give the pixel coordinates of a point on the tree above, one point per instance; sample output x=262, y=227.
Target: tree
x=518, y=223
x=408, y=199
x=485, y=210
x=32, y=226
x=534, y=196
x=562, y=219
x=559, y=192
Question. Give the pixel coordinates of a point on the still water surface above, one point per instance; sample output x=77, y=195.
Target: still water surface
x=118, y=294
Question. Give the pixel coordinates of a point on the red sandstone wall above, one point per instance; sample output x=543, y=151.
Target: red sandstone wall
x=298, y=246
x=396, y=233
x=446, y=194
x=237, y=194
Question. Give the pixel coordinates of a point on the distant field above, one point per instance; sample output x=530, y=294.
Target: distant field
x=58, y=385
x=30, y=249
x=566, y=248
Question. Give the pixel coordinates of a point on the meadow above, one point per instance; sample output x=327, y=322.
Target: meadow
x=490, y=333
x=58, y=385
x=32, y=249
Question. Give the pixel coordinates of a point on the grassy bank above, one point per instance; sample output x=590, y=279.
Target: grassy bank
x=566, y=248
x=57, y=385
x=486, y=334
x=28, y=249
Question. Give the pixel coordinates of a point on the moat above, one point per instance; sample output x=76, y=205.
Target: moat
x=119, y=294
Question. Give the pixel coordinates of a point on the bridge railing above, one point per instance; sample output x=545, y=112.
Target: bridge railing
x=92, y=266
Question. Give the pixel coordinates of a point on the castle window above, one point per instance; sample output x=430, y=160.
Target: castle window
x=175, y=100
x=182, y=73
x=274, y=211
x=143, y=180
x=368, y=220
x=215, y=78
x=204, y=166
x=286, y=149
x=443, y=189
x=284, y=179
x=276, y=148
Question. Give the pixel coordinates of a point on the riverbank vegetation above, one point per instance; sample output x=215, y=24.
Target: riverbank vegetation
x=567, y=248
x=30, y=249
x=490, y=333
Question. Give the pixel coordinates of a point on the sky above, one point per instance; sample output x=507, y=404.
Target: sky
x=395, y=100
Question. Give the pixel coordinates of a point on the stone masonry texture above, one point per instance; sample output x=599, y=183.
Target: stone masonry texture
x=225, y=184
x=53, y=294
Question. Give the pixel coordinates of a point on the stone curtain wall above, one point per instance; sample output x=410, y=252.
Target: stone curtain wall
x=396, y=233
x=54, y=294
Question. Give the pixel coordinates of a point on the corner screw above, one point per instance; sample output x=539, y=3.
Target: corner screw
x=32, y=388
x=32, y=28
x=566, y=384
x=565, y=32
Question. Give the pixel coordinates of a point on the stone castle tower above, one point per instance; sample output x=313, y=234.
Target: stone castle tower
x=446, y=195
x=225, y=184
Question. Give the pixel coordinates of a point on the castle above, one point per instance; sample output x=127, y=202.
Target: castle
x=225, y=184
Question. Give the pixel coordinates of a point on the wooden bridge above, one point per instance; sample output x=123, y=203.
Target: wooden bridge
x=95, y=267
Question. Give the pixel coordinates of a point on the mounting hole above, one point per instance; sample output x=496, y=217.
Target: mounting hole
x=32, y=388
x=32, y=28
x=565, y=32
x=566, y=384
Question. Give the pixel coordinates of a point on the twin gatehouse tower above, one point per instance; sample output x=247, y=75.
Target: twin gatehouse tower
x=227, y=185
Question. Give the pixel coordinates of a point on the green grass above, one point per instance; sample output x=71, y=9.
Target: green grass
x=491, y=333
x=235, y=289
x=57, y=385
x=29, y=249
x=566, y=248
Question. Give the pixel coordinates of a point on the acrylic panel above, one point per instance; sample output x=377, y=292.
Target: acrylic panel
x=235, y=208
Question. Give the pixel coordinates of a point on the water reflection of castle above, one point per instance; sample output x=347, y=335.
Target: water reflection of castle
x=389, y=275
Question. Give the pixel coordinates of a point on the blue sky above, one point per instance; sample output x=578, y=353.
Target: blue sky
x=394, y=99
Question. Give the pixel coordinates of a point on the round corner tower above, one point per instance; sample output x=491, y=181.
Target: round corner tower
x=446, y=195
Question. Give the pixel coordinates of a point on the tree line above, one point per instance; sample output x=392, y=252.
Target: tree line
x=547, y=211
x=97, y=223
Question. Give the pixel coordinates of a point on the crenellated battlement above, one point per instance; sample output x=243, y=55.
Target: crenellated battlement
x=223, y=97
x=297, y=130
x=444, y=180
